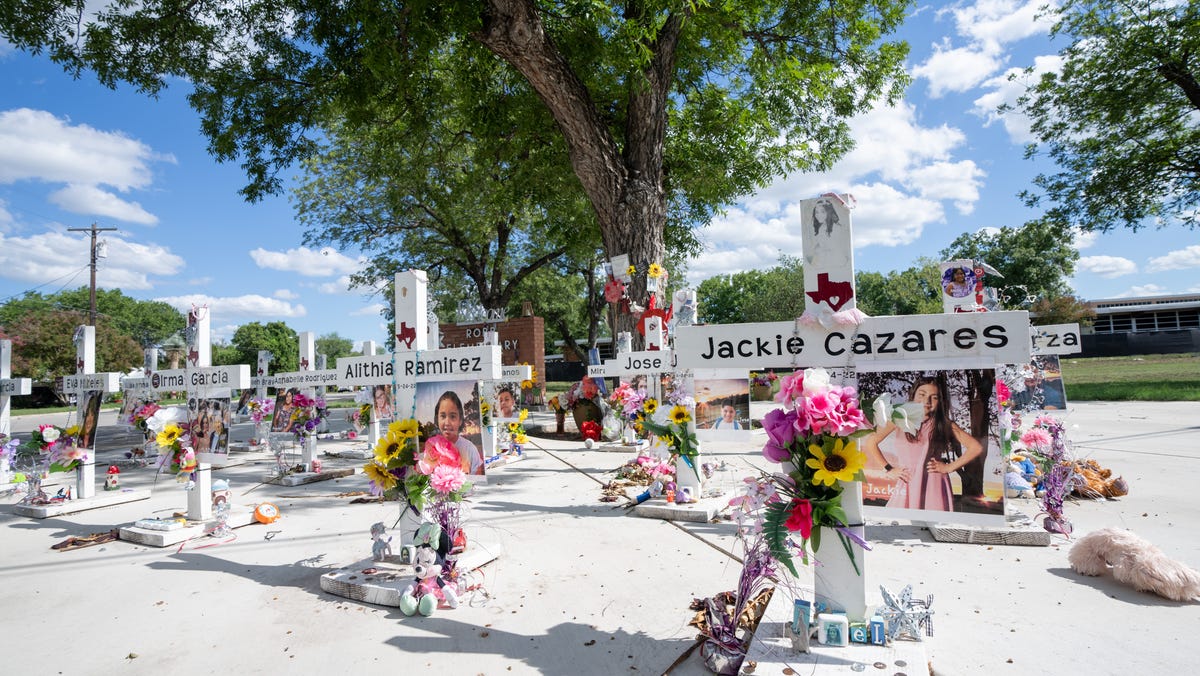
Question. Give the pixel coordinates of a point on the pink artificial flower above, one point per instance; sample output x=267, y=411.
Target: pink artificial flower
x=446, y=478
x=781, y=432
x=1003, y=394
x=801, y=518
x=438, y=451
x=1036, y=438
x=790, y=388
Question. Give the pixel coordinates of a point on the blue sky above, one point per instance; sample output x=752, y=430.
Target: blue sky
x=939, y=164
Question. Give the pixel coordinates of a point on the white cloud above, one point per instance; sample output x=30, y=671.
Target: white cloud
x=37, y=146
x=1002, y=21
x=1083, y=239
x=55, y=256
x=371, y=310
x=250, y=306
x=339, y=286
x=1176, y=260
x=88, y=199
x=957, y=69
x=1006, y=91
x=1144, y=290
x=323, y=262
x=1107, y=266
x=200, y=281
x=285, y=294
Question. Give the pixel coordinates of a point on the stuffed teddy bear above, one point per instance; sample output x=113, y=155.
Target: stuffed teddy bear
x=1095, y=481
x=1015, y=483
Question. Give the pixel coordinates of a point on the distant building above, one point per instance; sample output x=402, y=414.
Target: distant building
x=1144, y=325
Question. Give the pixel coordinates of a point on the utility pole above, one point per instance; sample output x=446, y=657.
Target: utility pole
x=93, y=230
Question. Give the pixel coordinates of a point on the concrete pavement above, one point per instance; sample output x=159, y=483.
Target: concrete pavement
x=581, y=588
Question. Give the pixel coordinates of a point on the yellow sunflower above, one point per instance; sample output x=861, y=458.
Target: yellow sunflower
x=679, y=415
x=71, y=431
x=631, y=270
x=520, y=439
x=840, y=465
x=405, y=429
x=524, y=415
x=655, y=271
x=169, y=435
x=388, y=448
x=650, y=406
x=513, y=427
x=379, y=476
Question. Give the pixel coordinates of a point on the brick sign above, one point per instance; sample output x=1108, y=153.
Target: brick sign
x=521, y=340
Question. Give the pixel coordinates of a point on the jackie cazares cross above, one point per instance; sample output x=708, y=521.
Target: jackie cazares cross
x=833, y=333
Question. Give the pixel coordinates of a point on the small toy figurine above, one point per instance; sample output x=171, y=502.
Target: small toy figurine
x=220, y=493
x=381, y=548
x=111, y=481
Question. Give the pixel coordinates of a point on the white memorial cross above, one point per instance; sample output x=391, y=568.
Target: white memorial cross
x=9, y=387
x=83, y=382
x=413, y=361
x=307, y=379
x=201, y=380
x=832, y=333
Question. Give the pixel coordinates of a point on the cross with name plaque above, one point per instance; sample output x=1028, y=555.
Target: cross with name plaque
x=9, y=387
x=308, y=379
x=833, y=333
x=412, y=361
x=89, y=387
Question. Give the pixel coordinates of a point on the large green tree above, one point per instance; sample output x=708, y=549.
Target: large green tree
x=669, y=109
x=147, y=322
x=333, y=346
x=1035, y=259
x=776, y=294
x=42, y=347
x=1121, y=119
x=914, y=290
x=278, y=338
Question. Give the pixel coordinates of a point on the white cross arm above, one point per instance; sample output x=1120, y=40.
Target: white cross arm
x=480, y=362
x=262, y=381
x=1055, y=339
x=77, y=383
x=198, y=379
x=318, y=378
x=13, y=387
x=989, y=337
x=520, y=372
x=135, y=385
x=633, y=363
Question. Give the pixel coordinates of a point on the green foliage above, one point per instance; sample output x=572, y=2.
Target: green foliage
x=1061, y=310
x=913, y=291
x=776, y=294
x=775, y=533
x=277, y=337
x=224, y=353
x=147, y=322
x=43, y=347
x=1122, y=117
x=670, y=110
x=1035, y=260
x=333, y=346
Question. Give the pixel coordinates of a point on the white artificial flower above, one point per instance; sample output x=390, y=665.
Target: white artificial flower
x=50, y=435
x=165, y=416
x=882, y=410
x=815, y=381
x=909, y=416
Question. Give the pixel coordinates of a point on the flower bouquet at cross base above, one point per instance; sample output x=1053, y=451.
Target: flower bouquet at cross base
x=672, y=429
x=261, y=409
x=308, y=414
x=516, y=429
x=403, y=470
x=626, y=402
x=174, y=453
x=1046, y=443
x=815, y=437
x=141, y=414
x=726, y=620
x=52, y=449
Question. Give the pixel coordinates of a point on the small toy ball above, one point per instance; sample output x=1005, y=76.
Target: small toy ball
x=588, y=443
x=266, y=513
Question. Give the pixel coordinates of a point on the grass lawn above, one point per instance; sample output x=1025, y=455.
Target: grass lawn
x=1150, y=377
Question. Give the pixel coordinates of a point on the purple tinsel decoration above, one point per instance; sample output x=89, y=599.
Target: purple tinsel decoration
x=1058, y=479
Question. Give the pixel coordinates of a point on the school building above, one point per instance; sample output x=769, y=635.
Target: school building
x=1143, y=325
